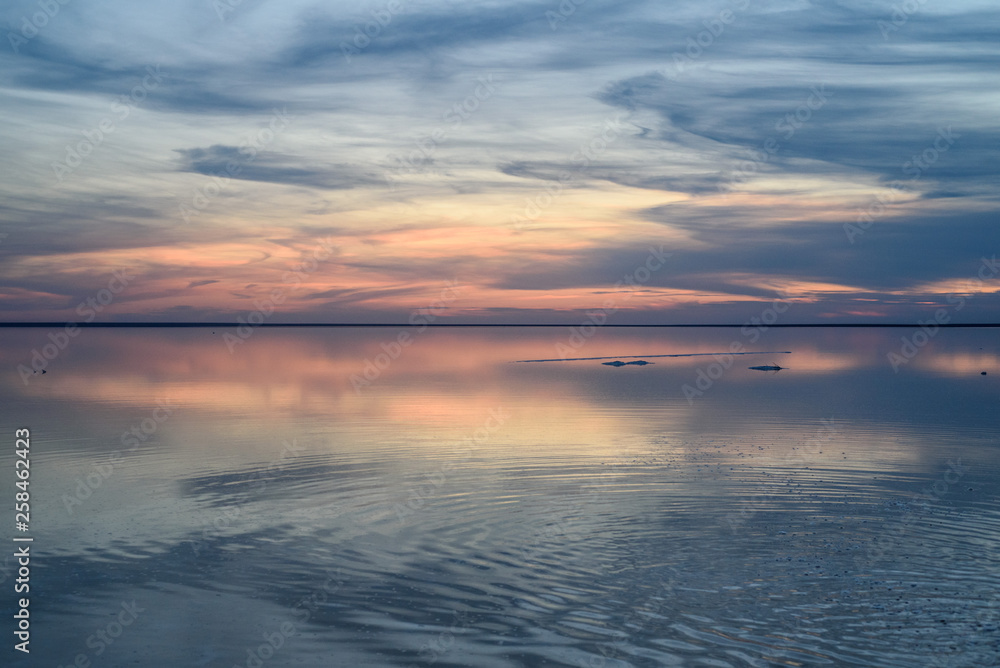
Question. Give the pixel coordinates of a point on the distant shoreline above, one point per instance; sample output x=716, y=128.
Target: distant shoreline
x=203, y=325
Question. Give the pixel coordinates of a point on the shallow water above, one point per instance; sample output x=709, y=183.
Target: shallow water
x=454, y=508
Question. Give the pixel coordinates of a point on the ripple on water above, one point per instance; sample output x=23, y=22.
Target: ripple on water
x=633, y=564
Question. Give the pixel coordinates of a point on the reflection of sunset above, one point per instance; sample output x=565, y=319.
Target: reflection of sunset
x=814, y=361
x=285, y=374
x=959, y=364
x=303, y=373
x=442, y=387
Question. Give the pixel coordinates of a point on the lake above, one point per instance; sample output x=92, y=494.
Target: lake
x=398, y=496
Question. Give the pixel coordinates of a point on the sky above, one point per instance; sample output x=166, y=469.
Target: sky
x=500, y=162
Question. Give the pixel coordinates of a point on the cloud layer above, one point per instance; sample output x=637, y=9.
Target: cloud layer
x=840, y=154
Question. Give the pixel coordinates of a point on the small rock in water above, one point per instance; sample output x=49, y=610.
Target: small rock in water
x=983, y=373
x=620, y=363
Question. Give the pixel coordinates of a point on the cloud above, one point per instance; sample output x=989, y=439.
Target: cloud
x=271, y=167
x=847, y=107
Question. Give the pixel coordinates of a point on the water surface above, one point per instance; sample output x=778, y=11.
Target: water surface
x=322, y=497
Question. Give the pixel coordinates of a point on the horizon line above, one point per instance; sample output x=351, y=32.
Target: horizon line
x=470, y=324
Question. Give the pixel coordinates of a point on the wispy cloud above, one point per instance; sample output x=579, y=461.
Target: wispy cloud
x=726, y=156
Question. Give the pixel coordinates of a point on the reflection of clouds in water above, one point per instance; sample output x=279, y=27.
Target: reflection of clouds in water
x=594, y=524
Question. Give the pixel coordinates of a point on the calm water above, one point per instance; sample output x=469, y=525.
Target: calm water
x=457, y=509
